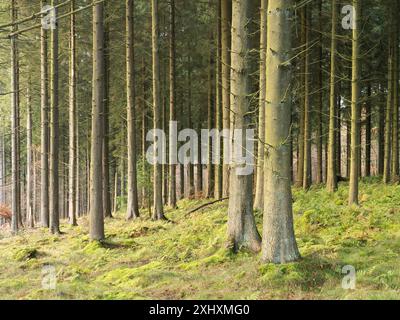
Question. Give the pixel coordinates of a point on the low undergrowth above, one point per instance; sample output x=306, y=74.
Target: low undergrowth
x=186, y=258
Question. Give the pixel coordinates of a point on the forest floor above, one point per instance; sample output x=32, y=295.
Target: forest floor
x=187, y=258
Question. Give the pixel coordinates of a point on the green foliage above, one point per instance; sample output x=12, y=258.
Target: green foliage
x=187, y=258
x=24, y=254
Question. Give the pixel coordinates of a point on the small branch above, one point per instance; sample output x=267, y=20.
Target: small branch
x=206, y=205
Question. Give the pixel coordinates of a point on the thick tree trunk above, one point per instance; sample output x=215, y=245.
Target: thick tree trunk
x=158, y=212
x=355, y=107
x=259, y=197
x=133, y=204
x=279, y=243
x=44, y=132
x=242, y=230
x=96, y=182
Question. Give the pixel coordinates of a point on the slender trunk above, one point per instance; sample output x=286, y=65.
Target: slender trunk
x=389, y=113
x=54, y=139
x=355, y=107
x=172, y=112
x=72, y=173
x=331, y=179
x=259, y=198
x=15, y=173
x=279, y=242
x=319, y=176
x=395, y=125
x=307, y=104
x=106, y=129
x=44, y=134
x=210, y=115
x=158, y=212
x=29, y=162
x=218, y=107
x=133, y=204
x=96, y=182
x=368, y=128
x=226, y=12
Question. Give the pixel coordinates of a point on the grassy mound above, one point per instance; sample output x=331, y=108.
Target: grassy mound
x=186, y=258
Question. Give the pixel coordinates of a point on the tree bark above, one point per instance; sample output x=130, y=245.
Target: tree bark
x=133, y=204
x=72, y=173
x=96, y=228
x=29, y=161
x=355, y=107
x=242, y=230
x=259, y=197
x=331, y=180
x=279, y=243
x=226, y=12
x=44, y=132
x=15, y=165
x=319, y=175
x=218, y=105
x=54, y=134
x=158, y=212
x=307, y=179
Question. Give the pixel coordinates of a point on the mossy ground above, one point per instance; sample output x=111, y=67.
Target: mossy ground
x=186, y=258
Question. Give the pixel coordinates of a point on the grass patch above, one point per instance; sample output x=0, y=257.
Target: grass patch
x=187, y=258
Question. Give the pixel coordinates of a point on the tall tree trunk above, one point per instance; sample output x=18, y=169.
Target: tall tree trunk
x=226, y=12
x=300, y=137
x=208, y=191
x=15, y=166
x=96, y=182
x=331, y=179
x=172, y=112
x=279, y=243
x=54, y=139
x=218, y=105
x=158, y=212
x=319, y=176
x=29, y=161
x=381, y=136
x=389, y=111
x=307, y=106
x=242, y=230
x=368, y=128
x=44, y=132
x=259, y=197
x=133, y=204
x=355, y=106
x=106, y=129
x=395, y=125
x=72, y=173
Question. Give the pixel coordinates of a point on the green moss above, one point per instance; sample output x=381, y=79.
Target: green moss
x=24, y=254
x=187, y=257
